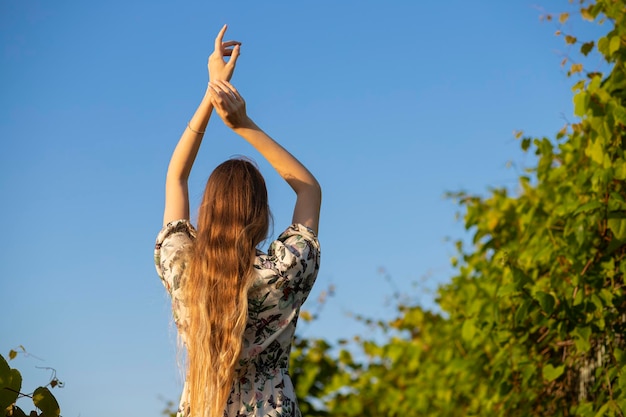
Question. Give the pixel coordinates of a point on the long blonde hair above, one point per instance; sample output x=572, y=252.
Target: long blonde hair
x=233, y=219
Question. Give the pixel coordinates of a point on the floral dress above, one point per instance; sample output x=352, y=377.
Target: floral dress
x=285, y=276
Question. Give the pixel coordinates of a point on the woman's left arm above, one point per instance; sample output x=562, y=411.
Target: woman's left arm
x=176, y=188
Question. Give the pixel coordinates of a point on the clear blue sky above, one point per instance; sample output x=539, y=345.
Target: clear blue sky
x=390, y=104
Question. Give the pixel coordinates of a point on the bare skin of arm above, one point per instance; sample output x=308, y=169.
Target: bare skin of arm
x=231, y=108
x=184, y=155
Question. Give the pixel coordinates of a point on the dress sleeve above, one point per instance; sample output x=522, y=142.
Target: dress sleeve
x=296, y=256
x=169, y=252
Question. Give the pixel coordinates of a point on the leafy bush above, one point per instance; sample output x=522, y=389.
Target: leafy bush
x=534, y=321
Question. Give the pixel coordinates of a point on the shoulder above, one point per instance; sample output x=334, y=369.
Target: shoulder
x=297, y=245
x=172, y=242
x=177, y=231
x=299, y=234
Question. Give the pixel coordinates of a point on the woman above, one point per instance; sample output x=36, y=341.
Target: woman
x=235, y=307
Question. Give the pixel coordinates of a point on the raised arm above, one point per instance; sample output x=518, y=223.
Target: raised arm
x=176, y=188
x=231, y=107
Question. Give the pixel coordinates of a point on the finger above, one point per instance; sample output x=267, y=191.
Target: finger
x=215, y=91
x=232, y=90
x=225, y=87
x=216, y=86
x=234, y=55
x=228, y=93
x=220, y=102
x=230, y=43
x=218, y=40
x=222, y=92
x=237, y=95
x=217, y=104
x=228, y=50
x=213, y=100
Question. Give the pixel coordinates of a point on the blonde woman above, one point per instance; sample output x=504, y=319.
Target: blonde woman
x=235, y=307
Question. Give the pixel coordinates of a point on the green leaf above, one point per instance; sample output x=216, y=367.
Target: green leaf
x=468, y=331
x=578, y=298
x=546, y=301
x=614, y=44
x=520, y=279
x=521, y=313
x=586, y=48
x=528, y=372
x=550, y=373
x=345, y=356
x=590, y=206
x=581, y=336
x=618, y=227
x=603, y=45
x=595, y=151
x=596, y=302
x=18, y=412
x=622, y=379
x=45, y=401
x=581, y=101
x=619, y=170
x=10, y=384
x=585, y=410
x=602, y=411
x=606, y=296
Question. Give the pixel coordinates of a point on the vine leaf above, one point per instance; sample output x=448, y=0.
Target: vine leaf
x=546, y=301
x=614, y=44
x=10, y=384
x=550, y=373
x=617, y=224
x=586, y=47
x=45, y=401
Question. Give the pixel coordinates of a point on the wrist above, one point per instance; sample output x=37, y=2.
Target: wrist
x=215, y=78
x=206, y=99
x=246, y=123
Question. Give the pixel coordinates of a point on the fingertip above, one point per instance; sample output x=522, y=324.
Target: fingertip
x=220, y=36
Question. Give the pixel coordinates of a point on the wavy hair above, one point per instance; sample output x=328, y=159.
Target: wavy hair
x=233, y=219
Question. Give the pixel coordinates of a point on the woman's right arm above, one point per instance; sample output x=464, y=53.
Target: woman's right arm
x=231, y=107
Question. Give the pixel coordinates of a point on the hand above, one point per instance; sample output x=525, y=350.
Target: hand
x=219, y=69
x=229, y=104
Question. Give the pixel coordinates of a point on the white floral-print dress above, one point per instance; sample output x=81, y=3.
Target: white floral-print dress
x=285, y=276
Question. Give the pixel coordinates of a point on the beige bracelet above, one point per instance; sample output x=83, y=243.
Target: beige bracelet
x=195, y=131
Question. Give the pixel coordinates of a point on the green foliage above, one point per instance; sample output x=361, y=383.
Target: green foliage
x=170, y=408
x=534, y=321
x=11, y=384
